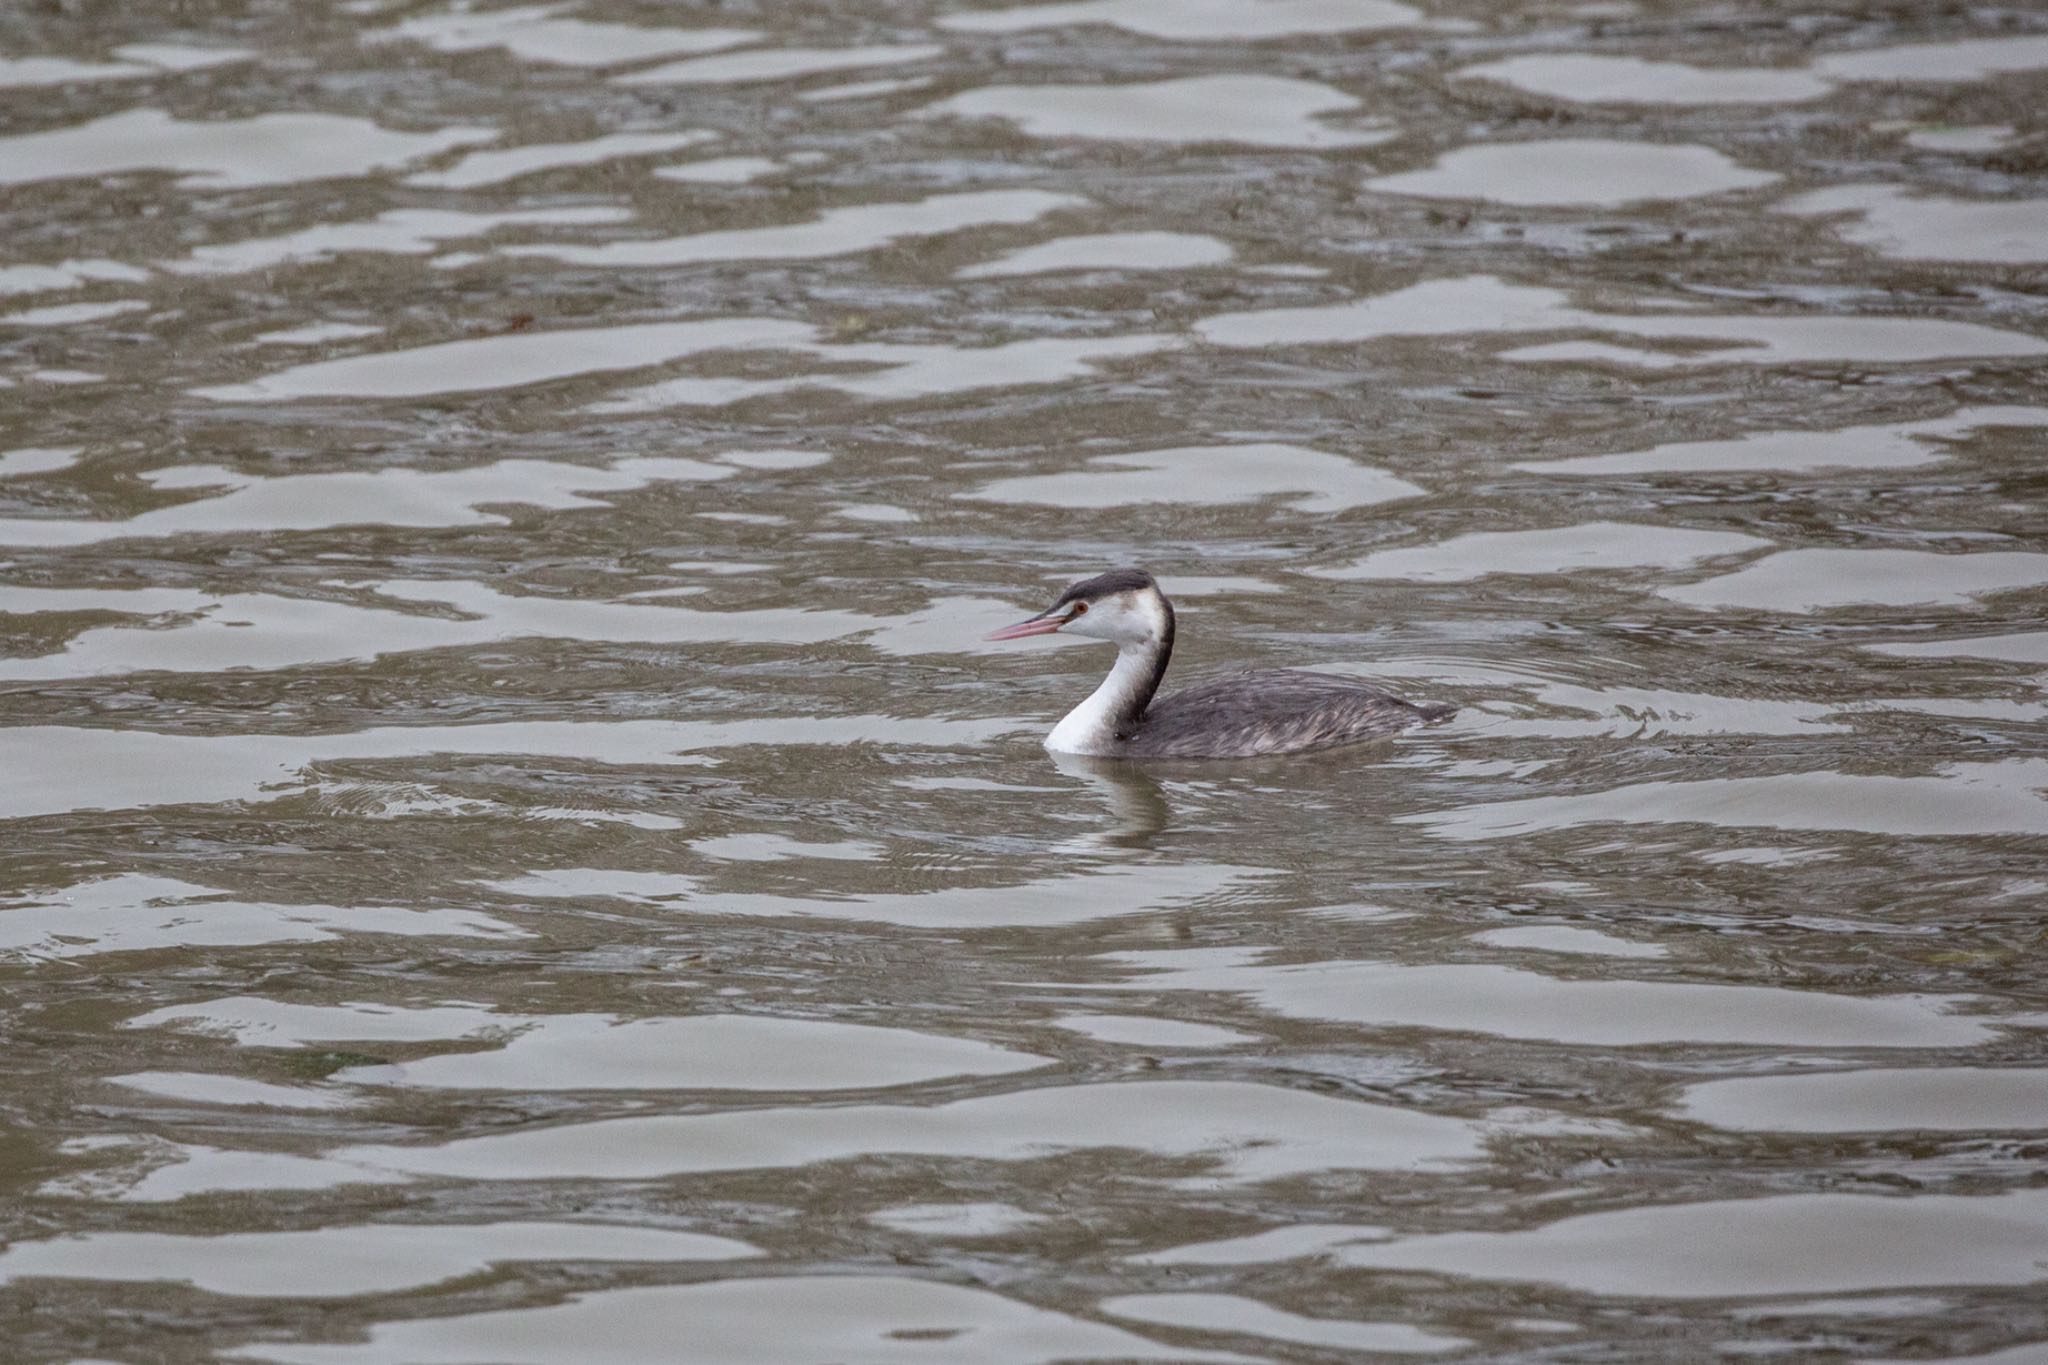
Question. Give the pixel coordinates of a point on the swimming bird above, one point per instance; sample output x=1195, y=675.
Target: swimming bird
x=1240, y=715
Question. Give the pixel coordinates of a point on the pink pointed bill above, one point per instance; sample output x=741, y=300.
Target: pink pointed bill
x=1036, y=625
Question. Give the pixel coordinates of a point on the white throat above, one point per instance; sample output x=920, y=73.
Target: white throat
x=1090, y=728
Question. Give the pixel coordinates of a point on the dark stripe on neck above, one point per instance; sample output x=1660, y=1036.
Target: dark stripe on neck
x=1131, y=707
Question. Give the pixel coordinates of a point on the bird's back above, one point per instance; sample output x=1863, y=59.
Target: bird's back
x=1271, y=711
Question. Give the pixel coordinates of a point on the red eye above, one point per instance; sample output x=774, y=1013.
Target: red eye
x=1080, y=608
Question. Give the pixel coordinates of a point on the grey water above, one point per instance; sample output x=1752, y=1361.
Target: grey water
x=513, y=848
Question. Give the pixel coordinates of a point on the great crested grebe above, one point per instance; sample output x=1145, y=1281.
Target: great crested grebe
x=1241, y=715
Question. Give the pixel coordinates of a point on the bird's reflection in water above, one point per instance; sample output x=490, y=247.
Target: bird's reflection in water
x=1138, y=808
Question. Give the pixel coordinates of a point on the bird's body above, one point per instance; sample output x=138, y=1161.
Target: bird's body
x=1270, y=711
x=1239, y=715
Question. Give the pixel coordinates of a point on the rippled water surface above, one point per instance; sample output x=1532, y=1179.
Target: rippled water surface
x=512, y=848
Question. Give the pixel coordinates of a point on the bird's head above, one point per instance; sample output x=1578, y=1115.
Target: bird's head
x=1123, y=605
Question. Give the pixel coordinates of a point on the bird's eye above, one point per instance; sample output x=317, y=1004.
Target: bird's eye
x=1080, y=608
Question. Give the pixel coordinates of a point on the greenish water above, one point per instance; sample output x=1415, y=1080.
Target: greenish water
x=512, y=849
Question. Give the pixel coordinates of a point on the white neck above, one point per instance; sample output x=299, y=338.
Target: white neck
x=1091, y=727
